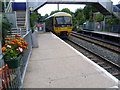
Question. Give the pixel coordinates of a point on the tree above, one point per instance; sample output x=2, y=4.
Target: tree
x=91, y=16
x=6, y=27
x=87, y=9
x=44, y=17
x=54, y=12
x=66, y=10
x=79, y=10
x=33, y=18
x=39, y=17
x=81, y=18
x=99, y=17
x=112, y=21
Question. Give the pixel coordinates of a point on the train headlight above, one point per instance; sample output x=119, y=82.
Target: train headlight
x=58, y=28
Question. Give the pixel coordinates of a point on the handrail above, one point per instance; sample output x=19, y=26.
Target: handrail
x=27, y=21
x=16, y=19
x=116, y=12
x=9, y=7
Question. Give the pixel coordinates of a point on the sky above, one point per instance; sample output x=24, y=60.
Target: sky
x=52, y=7
x=48, y=8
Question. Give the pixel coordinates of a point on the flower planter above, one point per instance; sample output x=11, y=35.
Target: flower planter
x=13, y=63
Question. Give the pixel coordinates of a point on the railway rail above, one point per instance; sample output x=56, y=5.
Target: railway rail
x=111, y=67
x=109, y=46
x=112, y=39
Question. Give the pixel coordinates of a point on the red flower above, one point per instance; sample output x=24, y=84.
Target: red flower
x=7, y=38
x=17, y=35
x=3, y=49
x=12, y=43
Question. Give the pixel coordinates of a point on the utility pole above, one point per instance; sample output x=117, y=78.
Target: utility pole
x=58, y=6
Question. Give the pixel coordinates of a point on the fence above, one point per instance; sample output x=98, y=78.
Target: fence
x=100, y=26
x=13, y=78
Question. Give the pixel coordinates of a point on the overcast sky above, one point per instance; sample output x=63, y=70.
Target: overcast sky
x=52, y=7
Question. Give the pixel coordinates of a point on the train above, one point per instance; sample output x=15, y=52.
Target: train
x=59, y=23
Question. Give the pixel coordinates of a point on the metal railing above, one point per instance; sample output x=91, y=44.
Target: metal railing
x=13, y=78
x=101, y=27
x=9, y=8
x=19, y=31
x=116, y=11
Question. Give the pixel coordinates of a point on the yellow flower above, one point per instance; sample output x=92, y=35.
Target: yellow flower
x=21, y=39
x=19, y=43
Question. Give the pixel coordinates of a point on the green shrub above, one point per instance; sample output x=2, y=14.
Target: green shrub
x=6, y=27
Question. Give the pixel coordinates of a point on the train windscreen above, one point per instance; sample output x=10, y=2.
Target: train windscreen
x=63, y=20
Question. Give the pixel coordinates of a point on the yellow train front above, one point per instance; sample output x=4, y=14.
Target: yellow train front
x=60, y=23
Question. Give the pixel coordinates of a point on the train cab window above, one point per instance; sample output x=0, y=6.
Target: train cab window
x=67, y=20
x=63, y=20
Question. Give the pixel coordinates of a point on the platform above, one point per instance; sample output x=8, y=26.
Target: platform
x=55, y=64
x=108, y=33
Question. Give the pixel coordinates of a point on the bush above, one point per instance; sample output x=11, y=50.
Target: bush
x=6, y=27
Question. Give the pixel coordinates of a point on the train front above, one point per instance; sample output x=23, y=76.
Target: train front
x=63, y=25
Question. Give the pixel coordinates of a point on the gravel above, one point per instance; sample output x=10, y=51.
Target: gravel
x=113, y=57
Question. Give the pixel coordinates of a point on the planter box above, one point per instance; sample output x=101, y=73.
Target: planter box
x=13, y=63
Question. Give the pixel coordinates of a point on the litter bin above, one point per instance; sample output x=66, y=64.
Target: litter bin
x=35, y=39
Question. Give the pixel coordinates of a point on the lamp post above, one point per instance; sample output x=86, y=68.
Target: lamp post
x=58, y=6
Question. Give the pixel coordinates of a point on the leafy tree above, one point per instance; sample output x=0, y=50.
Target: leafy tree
x=87, y=9
x=6, y=27
x=66, y=10
x=91, y=17
x=2, y=9
x=54, y=12
x=79, y=10
x=33, y=18
x=81, y=18
x=74, y=22
x=99, y=17
x=113, y=21
x=39, y=17
x=46, y=15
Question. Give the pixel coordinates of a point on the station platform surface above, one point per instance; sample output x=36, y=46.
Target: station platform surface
x=55, y=64
x=108, y=33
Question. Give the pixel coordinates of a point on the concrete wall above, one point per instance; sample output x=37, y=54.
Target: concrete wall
x=12, y=19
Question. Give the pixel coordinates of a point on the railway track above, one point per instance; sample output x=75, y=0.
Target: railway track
x=111, y=67
x=98, y=42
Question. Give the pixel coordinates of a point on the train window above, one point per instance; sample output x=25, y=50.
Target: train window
x=67, y=20
x=63, y=20
x=59, y=20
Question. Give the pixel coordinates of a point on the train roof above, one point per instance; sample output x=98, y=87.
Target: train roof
x=59, y=13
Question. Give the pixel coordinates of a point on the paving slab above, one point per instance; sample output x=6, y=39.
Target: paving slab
x=57, y=65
